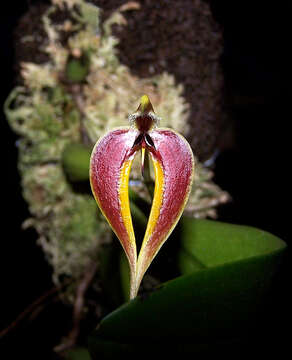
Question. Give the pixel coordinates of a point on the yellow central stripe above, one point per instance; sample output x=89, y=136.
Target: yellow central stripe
x=124, y=199
x=157, y=201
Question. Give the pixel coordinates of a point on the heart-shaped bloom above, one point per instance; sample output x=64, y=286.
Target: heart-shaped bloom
x=110, y=167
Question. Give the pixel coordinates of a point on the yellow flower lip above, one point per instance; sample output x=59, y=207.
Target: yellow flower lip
x=110, y=166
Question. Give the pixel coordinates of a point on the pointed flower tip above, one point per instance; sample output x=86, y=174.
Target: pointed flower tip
x=145, y=104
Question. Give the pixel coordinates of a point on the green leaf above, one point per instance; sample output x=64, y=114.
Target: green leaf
x=75, y=161
x=187, y=263
x=78, y=353
x=228, y=271
x=213, y=243
x=77, y=68
x=125, y=276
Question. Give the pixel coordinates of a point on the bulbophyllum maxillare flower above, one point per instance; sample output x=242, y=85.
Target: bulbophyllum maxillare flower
x=110, y=167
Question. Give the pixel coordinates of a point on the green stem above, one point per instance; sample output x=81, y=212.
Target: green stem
x=138, y=215
x=146, y=175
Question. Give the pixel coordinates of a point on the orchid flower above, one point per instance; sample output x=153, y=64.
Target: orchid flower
x=110, y=167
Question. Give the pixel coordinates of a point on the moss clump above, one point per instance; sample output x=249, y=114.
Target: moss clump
x=78, y=92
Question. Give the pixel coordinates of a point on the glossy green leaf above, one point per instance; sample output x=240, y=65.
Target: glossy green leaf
x=187, y=263
x=213, y=243
x=216, y=301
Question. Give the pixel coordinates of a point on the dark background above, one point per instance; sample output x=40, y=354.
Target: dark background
x=255, y=171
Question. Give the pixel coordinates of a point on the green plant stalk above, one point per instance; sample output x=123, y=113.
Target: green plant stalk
x=149, y=183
